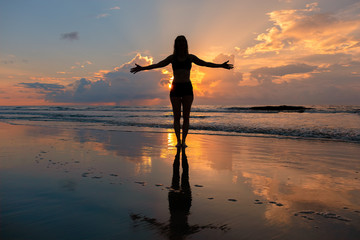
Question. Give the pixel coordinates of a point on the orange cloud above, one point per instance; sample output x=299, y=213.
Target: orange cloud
x=215, y=83
x=307, y=31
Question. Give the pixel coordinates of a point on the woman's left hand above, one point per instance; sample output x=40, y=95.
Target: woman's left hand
x=227, y=66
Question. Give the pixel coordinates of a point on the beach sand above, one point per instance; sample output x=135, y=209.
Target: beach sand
x=74, y=183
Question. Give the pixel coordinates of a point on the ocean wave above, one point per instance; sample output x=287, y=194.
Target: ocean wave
x=306, y=133
x=195, y=109
x=327, y=123
x=347, y=135
x=295, y=109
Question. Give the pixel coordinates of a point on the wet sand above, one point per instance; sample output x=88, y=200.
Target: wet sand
x=67, y=183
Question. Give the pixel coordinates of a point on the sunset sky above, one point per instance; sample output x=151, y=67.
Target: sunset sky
x=80, y=51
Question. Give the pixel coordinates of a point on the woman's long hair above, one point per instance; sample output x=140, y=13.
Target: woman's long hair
x=181, y=46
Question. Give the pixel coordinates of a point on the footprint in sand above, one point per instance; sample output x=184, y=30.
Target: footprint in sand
x=276, y=203
x=141, y=183
x=323, y=214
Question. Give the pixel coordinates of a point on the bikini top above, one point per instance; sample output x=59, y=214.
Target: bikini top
x=186, y=64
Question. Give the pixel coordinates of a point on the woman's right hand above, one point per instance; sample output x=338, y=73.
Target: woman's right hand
x=136, y=69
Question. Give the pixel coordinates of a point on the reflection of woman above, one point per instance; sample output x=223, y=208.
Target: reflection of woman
x=181, y=92
x=180, y=200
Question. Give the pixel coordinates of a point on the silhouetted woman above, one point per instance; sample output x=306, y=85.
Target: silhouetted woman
x=181, y=92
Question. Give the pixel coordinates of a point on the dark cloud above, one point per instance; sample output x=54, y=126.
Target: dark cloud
x=70, y=36
x=13, y=61
x=116, y=86
x=7, y=62
x=321, y=86
x=43, y=86
x=269, y=74
x=284, y=70
x=302, y=84
x=326, y=58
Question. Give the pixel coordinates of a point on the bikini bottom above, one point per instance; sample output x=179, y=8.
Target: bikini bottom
x=181, y=89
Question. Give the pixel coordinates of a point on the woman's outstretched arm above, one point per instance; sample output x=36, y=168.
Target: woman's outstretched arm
x=160, y=64
x=200, y=62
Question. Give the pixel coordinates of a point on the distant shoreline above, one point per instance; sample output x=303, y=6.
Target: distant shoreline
x=280, y=108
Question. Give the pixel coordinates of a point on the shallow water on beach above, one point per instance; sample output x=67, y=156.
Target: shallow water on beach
x=98, y=184
x=337, y=123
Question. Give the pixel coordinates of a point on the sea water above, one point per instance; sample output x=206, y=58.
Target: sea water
x=337, y=123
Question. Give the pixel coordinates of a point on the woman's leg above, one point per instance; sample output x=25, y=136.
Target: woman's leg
x=186, y=102
x=176, y=106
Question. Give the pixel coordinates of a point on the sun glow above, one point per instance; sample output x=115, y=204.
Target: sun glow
x=170, y=81
x=196, y=78
x=171, y=139
x=170, y=77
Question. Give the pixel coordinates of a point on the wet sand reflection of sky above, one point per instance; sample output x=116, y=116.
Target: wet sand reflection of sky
x=282, y=183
